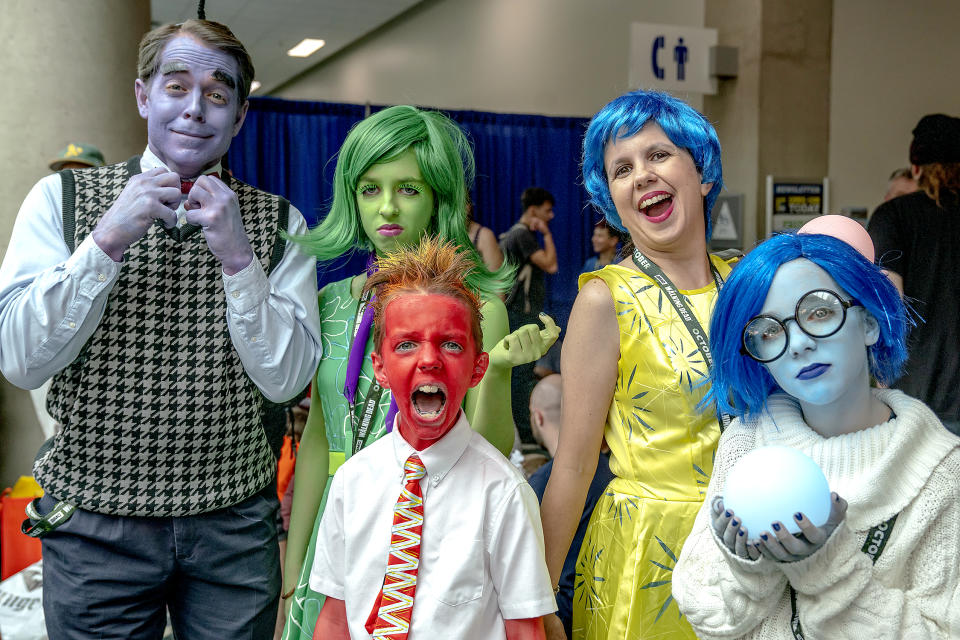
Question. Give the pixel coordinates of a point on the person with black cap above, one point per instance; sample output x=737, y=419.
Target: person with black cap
x=917, y=237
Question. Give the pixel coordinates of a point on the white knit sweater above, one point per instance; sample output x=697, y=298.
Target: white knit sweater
x=909, y=465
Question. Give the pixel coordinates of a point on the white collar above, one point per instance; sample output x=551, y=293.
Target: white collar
x=149, y=160
x=439, y=457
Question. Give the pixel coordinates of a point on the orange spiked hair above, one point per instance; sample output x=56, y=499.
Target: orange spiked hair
x=432, y=267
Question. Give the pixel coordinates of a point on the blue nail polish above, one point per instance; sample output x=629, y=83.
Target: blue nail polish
x=727, y=514
x=763, y=535
x=776, y=527
x=734, y=523
x=740, y=533
x=798, y=516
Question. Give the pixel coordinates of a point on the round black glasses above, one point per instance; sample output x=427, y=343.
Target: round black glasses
x=819, y=314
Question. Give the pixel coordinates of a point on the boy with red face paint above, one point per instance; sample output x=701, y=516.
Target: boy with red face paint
x=465, y=558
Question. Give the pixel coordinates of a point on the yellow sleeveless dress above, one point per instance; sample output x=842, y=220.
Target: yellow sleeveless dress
x=662, y=451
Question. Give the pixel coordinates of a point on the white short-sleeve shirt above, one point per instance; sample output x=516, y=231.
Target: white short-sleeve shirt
x=481, y=553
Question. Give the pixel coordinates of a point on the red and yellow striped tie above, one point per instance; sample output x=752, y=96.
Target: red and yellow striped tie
x=390, y=617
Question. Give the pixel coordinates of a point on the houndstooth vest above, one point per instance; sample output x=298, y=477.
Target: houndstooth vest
x=159, y=418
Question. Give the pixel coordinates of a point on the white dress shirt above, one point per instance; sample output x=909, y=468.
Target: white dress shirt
x=51, y=301
x=481, y=550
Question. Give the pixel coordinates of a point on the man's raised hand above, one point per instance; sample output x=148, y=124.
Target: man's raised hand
x=213, y=206
x=151, y=195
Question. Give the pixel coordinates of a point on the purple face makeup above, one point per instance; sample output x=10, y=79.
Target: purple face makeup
x=191, y=106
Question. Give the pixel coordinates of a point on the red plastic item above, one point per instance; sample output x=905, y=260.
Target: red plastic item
x=17, y=550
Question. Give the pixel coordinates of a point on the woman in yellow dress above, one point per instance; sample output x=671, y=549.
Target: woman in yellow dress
x=634, y=370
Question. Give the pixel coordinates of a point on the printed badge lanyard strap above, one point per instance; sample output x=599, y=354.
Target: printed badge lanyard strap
x=877, y=539
x=694, y=328
x=372, y=397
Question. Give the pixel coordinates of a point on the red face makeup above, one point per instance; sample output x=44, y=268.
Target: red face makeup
x=428, y=360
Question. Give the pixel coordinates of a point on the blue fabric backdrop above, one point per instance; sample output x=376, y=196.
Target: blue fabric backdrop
x=290, y=148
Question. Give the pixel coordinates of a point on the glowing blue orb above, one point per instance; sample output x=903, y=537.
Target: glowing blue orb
x=770, y=484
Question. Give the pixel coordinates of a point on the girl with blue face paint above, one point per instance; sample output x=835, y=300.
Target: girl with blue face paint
x=798, y=331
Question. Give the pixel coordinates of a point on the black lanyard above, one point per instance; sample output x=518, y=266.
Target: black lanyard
x=877, y=539
x=361, y=431
x=694, y=328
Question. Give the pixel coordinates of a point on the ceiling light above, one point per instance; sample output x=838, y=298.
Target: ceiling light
x=254, y=86
x=306, y=48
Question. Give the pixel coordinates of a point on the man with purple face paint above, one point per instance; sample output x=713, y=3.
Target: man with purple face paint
x=163, y=300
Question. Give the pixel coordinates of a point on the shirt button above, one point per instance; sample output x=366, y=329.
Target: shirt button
x=235, y=294
x=253, y=339
x=182, y=219
x=436, y=478
x=73, y=325
x=101, y=277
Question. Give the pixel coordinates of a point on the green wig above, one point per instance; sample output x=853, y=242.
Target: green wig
x=446, y=162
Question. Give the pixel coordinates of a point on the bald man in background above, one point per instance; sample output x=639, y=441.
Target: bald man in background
x=545, y=412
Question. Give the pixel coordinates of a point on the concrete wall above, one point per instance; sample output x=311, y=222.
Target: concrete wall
x=892, y=63
x=773, y=117
x=794, y=93
x=552, y=57
x=69, y=71
x=735, y=110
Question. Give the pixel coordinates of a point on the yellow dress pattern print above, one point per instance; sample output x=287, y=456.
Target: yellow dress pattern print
x=662, y=451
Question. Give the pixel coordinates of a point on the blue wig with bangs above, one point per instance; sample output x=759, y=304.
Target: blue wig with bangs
x=623, y=117
x=740, y=384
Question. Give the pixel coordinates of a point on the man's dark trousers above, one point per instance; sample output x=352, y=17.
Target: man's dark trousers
x=115, y=576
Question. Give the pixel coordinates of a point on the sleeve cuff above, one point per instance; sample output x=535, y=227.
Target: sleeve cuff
x=529, y=609
x=327, y=587
x=94, y=269
x=828, y=565
x=247, y=288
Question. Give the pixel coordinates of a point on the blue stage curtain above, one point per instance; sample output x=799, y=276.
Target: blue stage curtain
x=290, y=148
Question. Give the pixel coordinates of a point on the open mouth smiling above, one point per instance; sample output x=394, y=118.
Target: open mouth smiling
x=428, y=400
x=657, y=206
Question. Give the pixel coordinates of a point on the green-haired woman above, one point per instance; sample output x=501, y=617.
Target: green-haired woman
x=401, y=173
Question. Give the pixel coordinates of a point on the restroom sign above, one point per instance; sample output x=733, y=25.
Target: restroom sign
x=671, y=57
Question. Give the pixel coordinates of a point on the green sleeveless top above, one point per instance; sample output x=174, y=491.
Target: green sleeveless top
x=338, y=313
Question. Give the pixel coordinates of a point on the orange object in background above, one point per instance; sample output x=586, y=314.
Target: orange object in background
x=285, y=466
x=17, y=550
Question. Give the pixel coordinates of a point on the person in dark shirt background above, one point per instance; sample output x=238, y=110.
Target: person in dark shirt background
x=525, y=300
x=917, y=238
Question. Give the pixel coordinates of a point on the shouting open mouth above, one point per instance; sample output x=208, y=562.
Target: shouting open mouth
x=428, y=400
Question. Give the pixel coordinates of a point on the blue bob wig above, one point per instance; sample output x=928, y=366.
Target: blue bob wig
x=623, y=117
x=740, y=384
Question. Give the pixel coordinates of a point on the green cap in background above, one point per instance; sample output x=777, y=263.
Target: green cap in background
x=79, y=152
